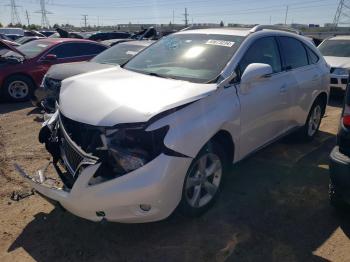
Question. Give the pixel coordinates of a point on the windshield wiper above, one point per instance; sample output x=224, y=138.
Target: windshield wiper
x=157, y=75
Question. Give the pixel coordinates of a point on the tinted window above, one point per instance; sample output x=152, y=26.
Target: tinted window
x=66, y=50
x=265, y=51
x=293, y=52
x=313, y=58
x=91, y=49
x=76, y=49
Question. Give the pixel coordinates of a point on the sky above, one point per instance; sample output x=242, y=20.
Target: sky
x=113, y=12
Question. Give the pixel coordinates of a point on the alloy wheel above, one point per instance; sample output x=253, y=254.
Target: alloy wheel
x=204, y=180
x=315, y=120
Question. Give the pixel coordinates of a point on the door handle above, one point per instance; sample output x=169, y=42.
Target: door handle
x=315, y=78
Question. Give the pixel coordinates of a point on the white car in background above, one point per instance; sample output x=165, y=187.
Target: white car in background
x=336, y=51
x=159, y=132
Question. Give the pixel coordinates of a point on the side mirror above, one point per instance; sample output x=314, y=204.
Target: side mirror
x=255, y=72
x=50, y=57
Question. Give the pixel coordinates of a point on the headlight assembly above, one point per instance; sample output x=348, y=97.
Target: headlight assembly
x=341, y=71
x=127, y=149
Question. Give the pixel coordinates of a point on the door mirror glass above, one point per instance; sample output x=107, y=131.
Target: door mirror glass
x=256, y=71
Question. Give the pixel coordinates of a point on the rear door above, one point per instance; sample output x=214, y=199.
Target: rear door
x=265, y=106
x=301, y=64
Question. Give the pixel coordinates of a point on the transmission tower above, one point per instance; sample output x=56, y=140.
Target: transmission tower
x=342, y=15
x=44, y=20
x=14, y=13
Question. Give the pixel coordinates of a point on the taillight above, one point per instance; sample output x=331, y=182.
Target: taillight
x=346, y=116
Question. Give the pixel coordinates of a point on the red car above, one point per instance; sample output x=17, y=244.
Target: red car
x=23, y=68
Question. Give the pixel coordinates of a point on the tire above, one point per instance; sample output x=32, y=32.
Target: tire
x=335, y=198
x=17, y=88
x=313, y=121
x=200, y=191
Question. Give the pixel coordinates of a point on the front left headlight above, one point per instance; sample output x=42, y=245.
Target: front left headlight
x=341, y=71
x=127, y=149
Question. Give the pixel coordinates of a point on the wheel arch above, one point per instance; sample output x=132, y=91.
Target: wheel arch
x=224, y=138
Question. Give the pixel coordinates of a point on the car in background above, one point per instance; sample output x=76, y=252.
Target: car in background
x=47, y=33
x=101, y=36
x=8, y=40
x=27, y=39
x=336, y=51
x=339, y=186
x=23, y=68
x=158, y=133
x=47, y=94
x=12, y=31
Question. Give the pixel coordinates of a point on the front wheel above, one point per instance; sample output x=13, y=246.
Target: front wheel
x=17, y=88
x=203, y=180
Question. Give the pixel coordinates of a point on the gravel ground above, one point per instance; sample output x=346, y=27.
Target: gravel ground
x=274, y=207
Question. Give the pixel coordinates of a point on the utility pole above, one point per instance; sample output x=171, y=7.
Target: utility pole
x=14, y=13
x=44, y=20
x=186, y=17
x=27, y=15
x=285, y=18
x=85, y=20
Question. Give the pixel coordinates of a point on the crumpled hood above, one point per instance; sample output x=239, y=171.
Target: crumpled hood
x=340, y=62
x=113, y=96
x=63, y=71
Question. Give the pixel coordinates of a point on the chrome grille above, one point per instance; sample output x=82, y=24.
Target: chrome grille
x=71, y=156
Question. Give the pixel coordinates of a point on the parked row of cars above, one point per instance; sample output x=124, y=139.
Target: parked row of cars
x=136, y=141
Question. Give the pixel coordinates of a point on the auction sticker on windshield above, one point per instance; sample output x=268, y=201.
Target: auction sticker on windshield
x=220, y=43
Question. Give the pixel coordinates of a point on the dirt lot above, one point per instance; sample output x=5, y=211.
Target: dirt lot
x=274, y=207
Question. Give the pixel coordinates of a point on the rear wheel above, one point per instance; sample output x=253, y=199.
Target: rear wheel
x=17, y=88
x=313, y=121
x=203, y=180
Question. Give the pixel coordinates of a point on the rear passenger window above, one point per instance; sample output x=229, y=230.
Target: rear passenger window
x=313, y=58
x=293, y=52
x=265, y=51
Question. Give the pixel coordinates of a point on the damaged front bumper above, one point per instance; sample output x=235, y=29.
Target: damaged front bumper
x=157, y=185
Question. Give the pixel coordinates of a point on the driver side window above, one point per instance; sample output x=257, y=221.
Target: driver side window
x=265, y=51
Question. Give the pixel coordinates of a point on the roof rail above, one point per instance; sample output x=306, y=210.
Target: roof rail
x=275, y=27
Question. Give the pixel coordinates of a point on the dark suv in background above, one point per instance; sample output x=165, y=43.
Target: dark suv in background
x=339, y=187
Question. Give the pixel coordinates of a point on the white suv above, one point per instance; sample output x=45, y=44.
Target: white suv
x=336, y=52
x=133, y=143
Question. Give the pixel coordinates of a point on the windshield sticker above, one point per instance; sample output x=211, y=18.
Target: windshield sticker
x=220, y=43
x=42, y=45
x=131, y=53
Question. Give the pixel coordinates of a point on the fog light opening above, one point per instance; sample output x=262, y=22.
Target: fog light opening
x=145, y=207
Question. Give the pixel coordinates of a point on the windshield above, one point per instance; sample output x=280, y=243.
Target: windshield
x=118, y=54
x=197, y=58
x=31, y=49
x=340, y=48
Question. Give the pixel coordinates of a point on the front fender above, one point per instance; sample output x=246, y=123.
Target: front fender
x=193, y=126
